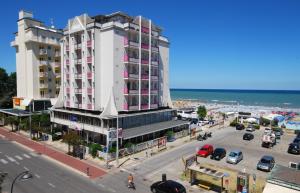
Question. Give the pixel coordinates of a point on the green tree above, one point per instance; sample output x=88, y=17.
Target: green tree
x=201, y=112
x=24, y=124
x=72, y=139
x=94, y=148
x=8, y=88
x=12, y=121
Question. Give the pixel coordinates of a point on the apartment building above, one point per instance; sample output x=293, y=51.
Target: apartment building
x=115, y=64
x=38, y=61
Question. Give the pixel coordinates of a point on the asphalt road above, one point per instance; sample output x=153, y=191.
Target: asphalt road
x=48, y=177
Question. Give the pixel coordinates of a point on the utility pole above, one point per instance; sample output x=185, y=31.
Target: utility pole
x=30, y=121
x=117, y=148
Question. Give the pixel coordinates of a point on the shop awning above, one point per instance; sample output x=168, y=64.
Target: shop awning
x=147, y=129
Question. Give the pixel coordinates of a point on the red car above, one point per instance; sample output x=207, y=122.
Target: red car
x=205, y=150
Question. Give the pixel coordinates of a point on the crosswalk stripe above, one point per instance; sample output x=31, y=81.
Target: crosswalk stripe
x=27, y=156
x=10, y=159
x=33, y=154
x=18, y=157
x=4, y=161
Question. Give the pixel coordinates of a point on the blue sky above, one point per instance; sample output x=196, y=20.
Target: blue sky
x=235, y=44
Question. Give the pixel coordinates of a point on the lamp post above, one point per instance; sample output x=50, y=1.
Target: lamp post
x=23, y=176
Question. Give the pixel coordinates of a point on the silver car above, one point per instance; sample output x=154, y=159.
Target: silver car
x=234, y=157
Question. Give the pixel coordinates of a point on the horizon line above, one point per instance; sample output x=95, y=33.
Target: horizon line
x=235, y=89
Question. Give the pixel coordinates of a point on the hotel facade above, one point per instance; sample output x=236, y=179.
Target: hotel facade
x=115, y=68
x=38, y=62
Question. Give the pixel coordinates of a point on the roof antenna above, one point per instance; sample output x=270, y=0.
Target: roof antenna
x=51, y=21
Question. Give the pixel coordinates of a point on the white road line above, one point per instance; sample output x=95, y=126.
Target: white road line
x=33, y=154
x=10, y=158
x=36, y=175
x=101, y=185
x=110, y=189
x=51, y=185
x=18, y=157
x=27, y=156
x=26, y=168
x=4, y=161
x=17, y=163
x=128, y=171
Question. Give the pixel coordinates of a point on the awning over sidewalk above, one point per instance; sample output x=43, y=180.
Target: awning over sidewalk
x=147, y=129
x=15, y=112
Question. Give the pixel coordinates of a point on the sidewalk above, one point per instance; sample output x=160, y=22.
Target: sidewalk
x=81, y=166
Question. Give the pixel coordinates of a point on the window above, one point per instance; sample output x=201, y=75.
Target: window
x=49, y=58
x=49, y=69
x=49, y=90
x=49, y=79
x=49, y=47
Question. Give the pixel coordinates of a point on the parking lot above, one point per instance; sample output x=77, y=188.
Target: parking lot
x=252, y=151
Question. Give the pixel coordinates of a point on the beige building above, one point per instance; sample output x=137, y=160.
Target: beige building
x=38, y=60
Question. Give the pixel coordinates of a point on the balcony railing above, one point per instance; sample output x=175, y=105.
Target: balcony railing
x=144, y=106
x=57, y=75
x=130, y=91
x=57, y=54
x=43, y=63
x=68, y=90
x=67, y=61
x=68, y=76
x=154, y=106
x=67, y=48
x=78, y=61
x=145, y=76
x=145, y=91
x=154, y=77
x=43, y=51
x=130, y=59
x=89, y=75
x=145, y=46
x=57, y=64
x=130, y=42
x=78, y=75
x=155, y=49
x=89, y=43
x=154, y=91
x=130, y=107
x=90, y=91
x=43, y=74
x=89, y=106
x=68, y=103
x=130, y=75
x=78, y=90
x=145, y=30
x=89, y=59
x=43, y=85
x=78, y=46
x=145, y=61
x=154, y=63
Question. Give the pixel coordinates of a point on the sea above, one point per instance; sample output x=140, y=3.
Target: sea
x=270, y=98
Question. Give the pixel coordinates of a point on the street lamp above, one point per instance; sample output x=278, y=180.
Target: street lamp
x=23, y=176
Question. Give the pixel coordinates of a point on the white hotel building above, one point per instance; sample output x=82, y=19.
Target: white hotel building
x=37, y=62
x=115, y=64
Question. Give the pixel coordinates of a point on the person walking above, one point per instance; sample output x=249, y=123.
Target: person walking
x=130, y=181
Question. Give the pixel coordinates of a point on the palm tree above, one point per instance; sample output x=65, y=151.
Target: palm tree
x=72, y=139
x=13, y=121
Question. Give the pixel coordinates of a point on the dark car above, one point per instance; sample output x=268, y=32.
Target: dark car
x=278, y=134
x=266, y=163
x=218, y=154
x=294, y=148
x=248, y=136
x=168, y=186
x=297, y=140
x=240, y=127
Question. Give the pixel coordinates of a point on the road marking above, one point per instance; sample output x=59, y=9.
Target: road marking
x=26, y=168
x=101, y=185
x=33, y=154
x=51, y=185
x=19, y=157
x=36, y=175
x=4, y=161
x=128, y=171
x=27, y=156
x=110, y=189
x=17, y=163
x=10, y=158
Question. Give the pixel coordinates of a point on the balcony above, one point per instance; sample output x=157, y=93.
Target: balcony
x=144, y=106
x=43, y=63
x=68, y=90
x=130, y=75
x=43, y=86
x=68, y=76
x=78, y=105
x=155, y=33
x=145, y=30
x=145, y=46
x=57, y=54
x=57, y=75
x=130, y=91
x=78, y=90
x=78, y=61
x=78, y=75
x=67, y=48
x=154, y=106
x=154, y=49
x=57, y=65
x=145, y=76
x=154, y=77
x=130, y=107
x=154, y=63
x=145, y=61
x=89, y=106
x=89, y=43
x=145, y=91
x=154, y=91
x=89, y=59
x=77, y=46
x=68, y=103
x=89, y=75
x=43, y=51
x=43, y=74
x=67, y=61
x=90, y=91
x=130, y=59
x=130, y=42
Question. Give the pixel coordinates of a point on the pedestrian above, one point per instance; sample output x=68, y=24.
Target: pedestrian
x=146, y=153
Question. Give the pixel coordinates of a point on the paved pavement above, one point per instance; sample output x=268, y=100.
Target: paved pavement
x=70, y=161
x=48, y=177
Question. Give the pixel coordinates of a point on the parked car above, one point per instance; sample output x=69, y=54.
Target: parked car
x=267, y=130
x=294, y=148
x=250, y=128
x=248, y=136
x=205, y=150
x=240, y=127
x=234, y=157
x=57, y=136
x=218, y=154
x=297, y=140
x=170, y=138
x=266, y=163
x=168, y=186
x=277, y=134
